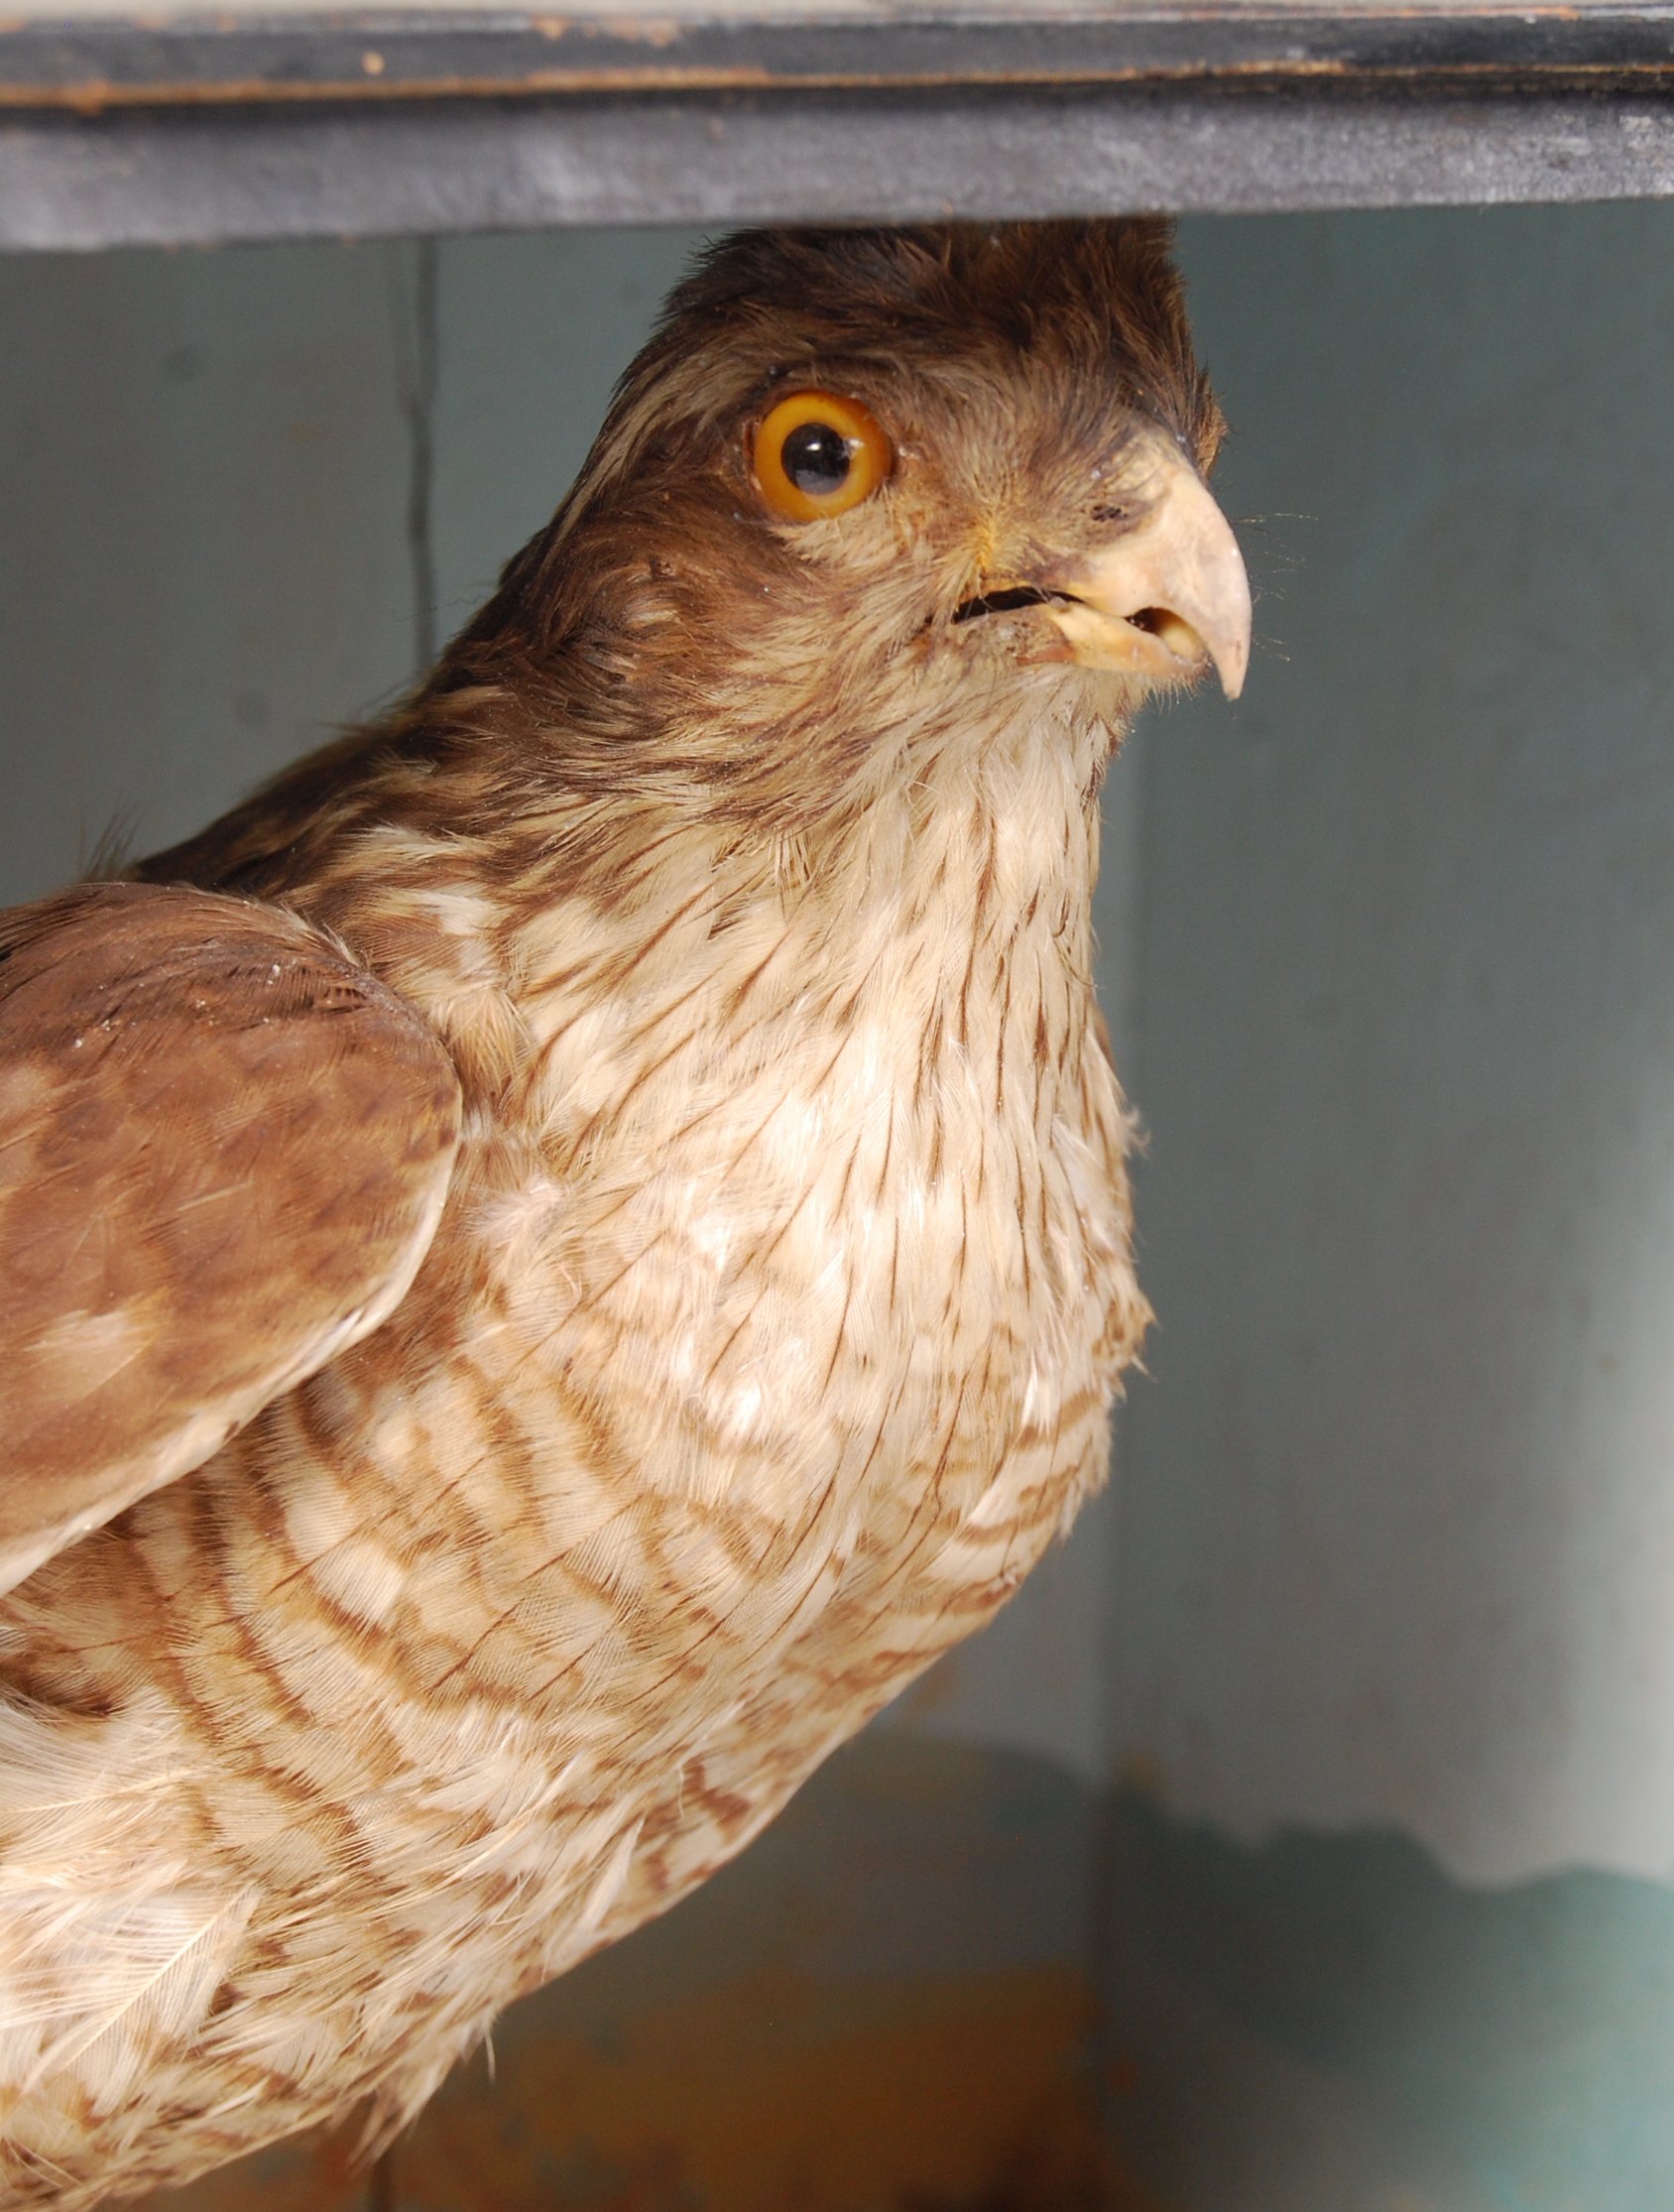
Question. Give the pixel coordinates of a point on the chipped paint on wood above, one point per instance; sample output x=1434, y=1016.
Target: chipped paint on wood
x=237, y=57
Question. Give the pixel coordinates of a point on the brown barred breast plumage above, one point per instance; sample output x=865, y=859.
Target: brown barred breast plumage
x=496, y=1481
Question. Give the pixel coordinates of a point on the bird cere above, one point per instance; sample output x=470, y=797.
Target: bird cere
x=560, y=1255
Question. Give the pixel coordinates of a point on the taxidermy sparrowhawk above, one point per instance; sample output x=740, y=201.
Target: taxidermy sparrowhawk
x=555, y=1258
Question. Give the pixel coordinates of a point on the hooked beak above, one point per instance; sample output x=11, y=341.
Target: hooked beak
x=1163, y=600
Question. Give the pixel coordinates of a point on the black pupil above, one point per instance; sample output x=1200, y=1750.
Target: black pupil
x=815, y=457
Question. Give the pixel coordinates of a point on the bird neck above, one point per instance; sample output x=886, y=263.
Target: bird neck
x=946, y=925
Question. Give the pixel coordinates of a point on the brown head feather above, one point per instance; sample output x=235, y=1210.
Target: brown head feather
x=664, y=646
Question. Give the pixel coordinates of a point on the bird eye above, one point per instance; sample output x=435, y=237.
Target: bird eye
x=815, y=453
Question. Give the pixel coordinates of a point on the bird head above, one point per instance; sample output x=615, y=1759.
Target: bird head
x=867, y=489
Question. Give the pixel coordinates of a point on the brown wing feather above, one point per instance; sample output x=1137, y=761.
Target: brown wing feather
x=224, y=1151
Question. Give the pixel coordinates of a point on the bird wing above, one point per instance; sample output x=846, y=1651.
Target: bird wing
x=224, y=1148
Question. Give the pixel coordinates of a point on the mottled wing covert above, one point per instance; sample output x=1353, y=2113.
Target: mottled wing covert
x=224, y=1151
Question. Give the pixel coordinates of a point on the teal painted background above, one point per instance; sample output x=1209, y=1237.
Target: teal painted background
x=1397, y=1518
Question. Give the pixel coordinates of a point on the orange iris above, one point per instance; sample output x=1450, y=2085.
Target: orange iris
x=816, y=453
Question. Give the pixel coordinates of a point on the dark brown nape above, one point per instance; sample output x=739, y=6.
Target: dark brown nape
x=253, y=847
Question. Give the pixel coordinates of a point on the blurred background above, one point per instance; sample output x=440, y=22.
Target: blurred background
x=1300, y=1839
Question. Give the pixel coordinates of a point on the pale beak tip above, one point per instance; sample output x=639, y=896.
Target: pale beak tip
x=1231, y=645
x=1168, y=599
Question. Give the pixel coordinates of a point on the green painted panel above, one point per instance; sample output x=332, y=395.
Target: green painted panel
x=1330, y=2025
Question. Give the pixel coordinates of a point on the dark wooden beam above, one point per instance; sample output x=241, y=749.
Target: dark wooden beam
x=239, y=55
x=306, y=123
